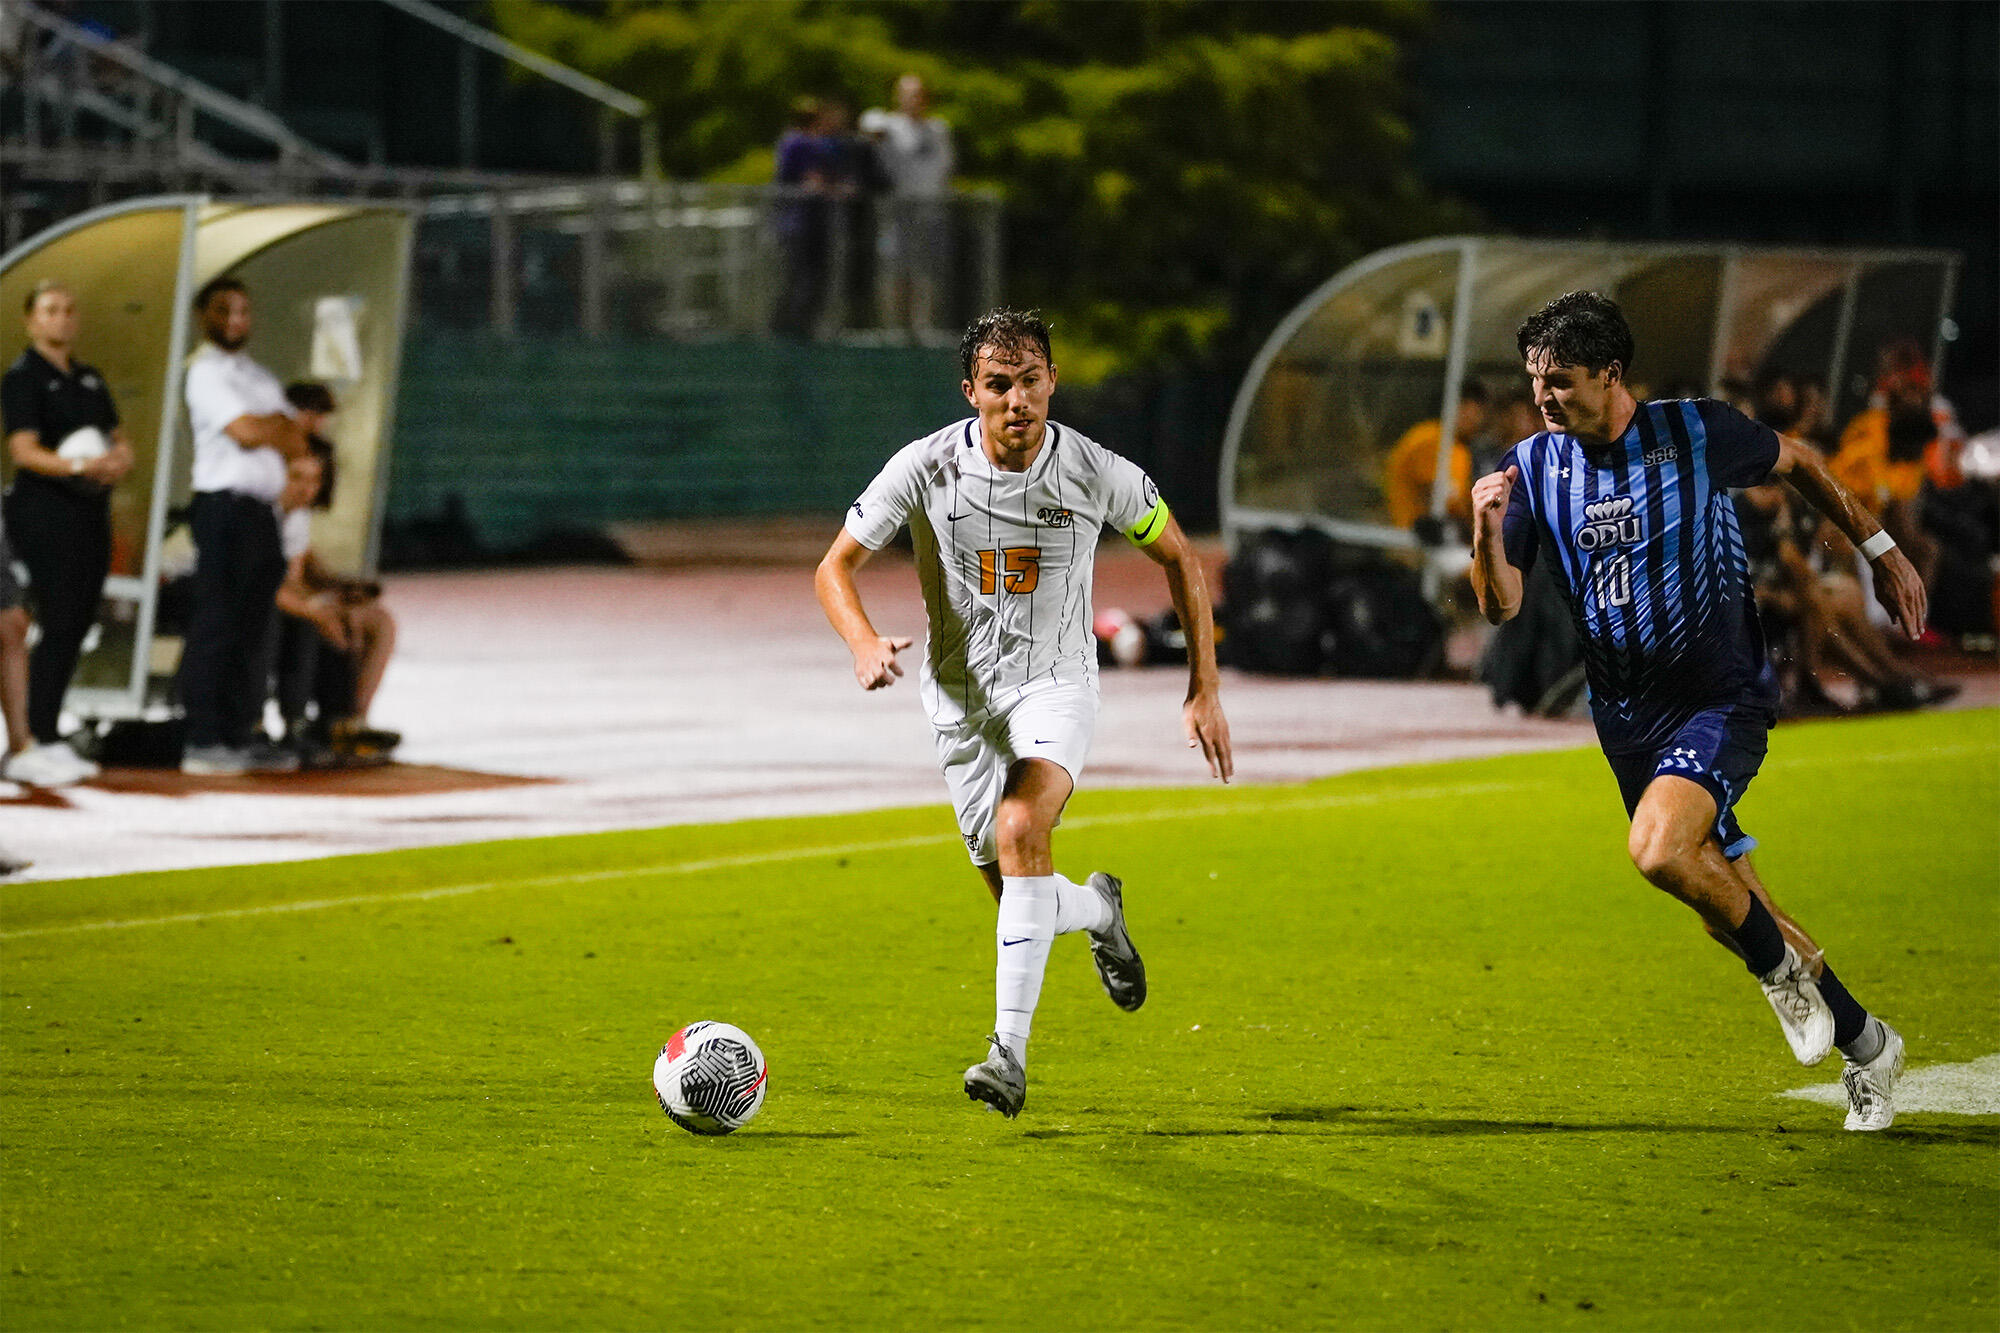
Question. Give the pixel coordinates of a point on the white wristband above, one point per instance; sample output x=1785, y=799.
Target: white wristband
x=1877, y=544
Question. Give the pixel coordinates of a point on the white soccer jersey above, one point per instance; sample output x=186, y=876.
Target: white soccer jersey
x=1005, y=558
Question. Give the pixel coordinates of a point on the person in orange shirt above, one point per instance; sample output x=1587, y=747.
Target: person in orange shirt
x=1411, y=468
x=1905, y=435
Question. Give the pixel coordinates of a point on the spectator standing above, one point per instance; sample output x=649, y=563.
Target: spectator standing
x=244, y=431
x=25, y=762
x=919, y=159
x=68, y=451
x=13, y=672
x=806, y=170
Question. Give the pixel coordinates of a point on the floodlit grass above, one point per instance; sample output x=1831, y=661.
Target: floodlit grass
x=1422, y=1052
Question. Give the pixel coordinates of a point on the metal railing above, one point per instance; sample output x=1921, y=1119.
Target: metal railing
x=690, y=260
x=88, y=97
x=89, y=119
x=612, y=102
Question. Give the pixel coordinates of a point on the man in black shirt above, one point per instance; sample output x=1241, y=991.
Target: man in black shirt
x=68, y=451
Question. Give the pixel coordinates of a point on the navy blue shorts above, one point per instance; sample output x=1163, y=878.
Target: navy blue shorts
x=1720, y=748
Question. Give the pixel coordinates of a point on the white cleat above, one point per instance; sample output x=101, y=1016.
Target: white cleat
x=1802, y=1011
x=1870, y=1104
x=47, y=765
x=998, y=1080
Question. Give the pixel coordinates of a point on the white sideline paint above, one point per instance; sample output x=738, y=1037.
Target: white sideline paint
x=757, y=859
x=1972, y=1088
x=805, y=854
x=708, y=694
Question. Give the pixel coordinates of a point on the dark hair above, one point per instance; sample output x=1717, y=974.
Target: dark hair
x=309, y=396
x=215, y=287
x=1004, y=330
x=1578, y=329
x=323, y=451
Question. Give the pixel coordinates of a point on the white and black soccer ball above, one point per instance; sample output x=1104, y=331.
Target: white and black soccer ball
x=710, y=1078
x=85, y=444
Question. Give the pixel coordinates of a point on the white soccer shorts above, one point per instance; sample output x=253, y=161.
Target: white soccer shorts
x=1053, y=722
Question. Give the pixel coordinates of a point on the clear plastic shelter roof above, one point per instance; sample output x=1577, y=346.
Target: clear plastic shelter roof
x=329, y=282
x=1388, y=344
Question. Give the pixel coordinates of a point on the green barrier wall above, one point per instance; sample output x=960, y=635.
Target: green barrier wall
x=539, y=434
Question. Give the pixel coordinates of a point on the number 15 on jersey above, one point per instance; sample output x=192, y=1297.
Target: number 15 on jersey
x=1016, y=568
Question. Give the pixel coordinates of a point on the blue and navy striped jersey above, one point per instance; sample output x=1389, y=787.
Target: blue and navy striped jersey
x=1649, y=559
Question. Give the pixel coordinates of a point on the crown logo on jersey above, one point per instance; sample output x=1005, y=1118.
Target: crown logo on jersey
x=1608, y=523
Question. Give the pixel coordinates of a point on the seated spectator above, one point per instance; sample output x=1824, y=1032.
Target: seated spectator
x=1818, y=616
x=1512, y=420
x=334, y=635
x=1902, y=455
x=1411, y=469
x=1888, y=448
x=1813, y=412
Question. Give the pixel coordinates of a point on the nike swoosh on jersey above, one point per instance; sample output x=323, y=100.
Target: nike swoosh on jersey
x=1022, y=940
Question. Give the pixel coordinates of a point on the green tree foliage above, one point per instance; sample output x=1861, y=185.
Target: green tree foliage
x=1174, y=170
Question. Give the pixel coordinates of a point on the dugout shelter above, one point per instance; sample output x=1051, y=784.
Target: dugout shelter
x=1387, y=343
x=328, y=283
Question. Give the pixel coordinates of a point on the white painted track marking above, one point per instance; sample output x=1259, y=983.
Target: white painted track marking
x=1972, y=1088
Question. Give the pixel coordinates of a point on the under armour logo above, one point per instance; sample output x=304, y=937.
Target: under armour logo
x=1682, y=757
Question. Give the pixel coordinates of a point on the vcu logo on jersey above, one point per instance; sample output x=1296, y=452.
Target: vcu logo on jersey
x=1053, y=518
x=1607, y=523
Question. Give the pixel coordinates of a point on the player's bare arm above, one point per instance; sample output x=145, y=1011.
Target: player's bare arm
x=1898, y=586
x=1201, y=715
x=1495, y=581
x=875, y=662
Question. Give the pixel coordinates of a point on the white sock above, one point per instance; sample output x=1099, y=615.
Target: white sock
x=1869, y=1044
x=1025, y=929
x=1079, y=907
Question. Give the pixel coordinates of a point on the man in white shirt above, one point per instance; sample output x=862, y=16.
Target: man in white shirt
x=244, y=431
x=915, y=149
x=1004, y=510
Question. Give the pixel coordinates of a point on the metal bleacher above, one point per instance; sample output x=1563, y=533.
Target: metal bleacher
x=88, y=117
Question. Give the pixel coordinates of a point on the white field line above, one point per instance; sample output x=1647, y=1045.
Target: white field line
x=1972, y=1088
x=749, y=859
x=896, y=844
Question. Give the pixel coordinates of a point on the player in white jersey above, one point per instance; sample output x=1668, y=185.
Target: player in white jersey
x=1004, y=510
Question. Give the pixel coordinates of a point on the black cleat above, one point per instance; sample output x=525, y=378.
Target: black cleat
x=1119, y=966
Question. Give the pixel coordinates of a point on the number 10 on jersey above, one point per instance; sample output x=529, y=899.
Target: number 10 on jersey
x=1016, y=568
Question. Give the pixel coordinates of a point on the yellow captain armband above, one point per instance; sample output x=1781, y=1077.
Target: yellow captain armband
x=1148, y=529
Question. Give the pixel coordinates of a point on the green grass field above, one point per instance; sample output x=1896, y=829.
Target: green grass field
x=1422, y=1052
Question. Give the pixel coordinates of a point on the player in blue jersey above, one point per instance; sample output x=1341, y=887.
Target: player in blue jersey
x=1629, y=501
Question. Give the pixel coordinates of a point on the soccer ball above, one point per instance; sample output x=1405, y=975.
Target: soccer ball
x=710, y=1078
x=84, y=444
